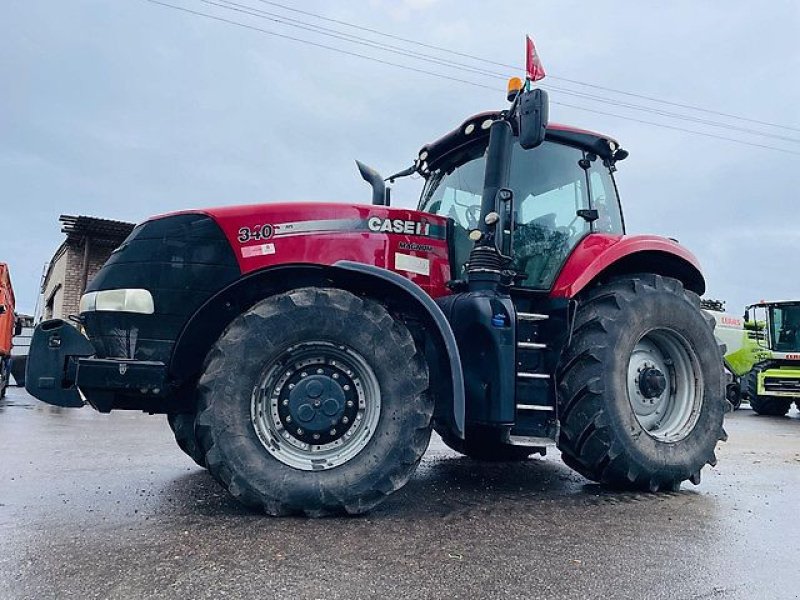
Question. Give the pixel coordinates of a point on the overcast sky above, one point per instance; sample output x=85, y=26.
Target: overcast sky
x=123, y=109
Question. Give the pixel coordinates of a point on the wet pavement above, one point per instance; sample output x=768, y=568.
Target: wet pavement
x=107, y=506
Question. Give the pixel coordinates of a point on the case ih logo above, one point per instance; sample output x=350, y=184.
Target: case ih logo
x=398, y=226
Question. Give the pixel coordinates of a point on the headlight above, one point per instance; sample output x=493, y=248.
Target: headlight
x=133, y=301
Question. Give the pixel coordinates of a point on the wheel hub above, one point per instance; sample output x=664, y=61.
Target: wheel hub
x=316, y=406
x=320, y=407
x=652, y=382
x=665, y=385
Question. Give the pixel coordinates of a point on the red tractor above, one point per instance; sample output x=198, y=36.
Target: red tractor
x=304, y=352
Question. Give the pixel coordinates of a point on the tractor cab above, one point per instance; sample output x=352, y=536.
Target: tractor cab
x=782, y=323
x=563, y=190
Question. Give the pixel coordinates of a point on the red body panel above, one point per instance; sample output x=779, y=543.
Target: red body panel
x=406, y=241
x=598, y=251
x=7, y=318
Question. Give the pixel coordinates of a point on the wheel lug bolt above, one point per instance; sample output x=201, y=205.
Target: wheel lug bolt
x=291, y=386
x=333, y=432
x=303, y=374
x=299, y=432
x=336, y=376
x=346, y=387
x=315, y=436
x=350, y=403
x=345, y=420
x=286, y=402
x=288, y=418
x=319, y=371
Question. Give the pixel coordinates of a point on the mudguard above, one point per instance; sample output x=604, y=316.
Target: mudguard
x=409, y=289
x=52, y=361
x=602, y=253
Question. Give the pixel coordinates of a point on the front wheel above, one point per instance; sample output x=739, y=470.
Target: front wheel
x=641, y=386
x=314, y=402
x=772, y=406
x=768, y=406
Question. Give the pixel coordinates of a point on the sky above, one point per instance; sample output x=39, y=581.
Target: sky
x=125, y=109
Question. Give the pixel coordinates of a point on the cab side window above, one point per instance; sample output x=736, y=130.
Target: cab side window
x=604, y=199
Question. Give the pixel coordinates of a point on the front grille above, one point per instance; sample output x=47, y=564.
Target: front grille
x=777, y=384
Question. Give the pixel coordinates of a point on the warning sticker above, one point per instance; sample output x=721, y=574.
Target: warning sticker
x=412, y=264
x=260, y=250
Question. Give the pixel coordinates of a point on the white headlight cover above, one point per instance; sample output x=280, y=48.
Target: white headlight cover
x=124, y=300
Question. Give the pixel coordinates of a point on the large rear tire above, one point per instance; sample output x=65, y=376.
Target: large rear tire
x=314, y=402
x=641, y=386
x=182, y=426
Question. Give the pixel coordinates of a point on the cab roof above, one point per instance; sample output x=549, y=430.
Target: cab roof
x=767, y=303
x=477, y=127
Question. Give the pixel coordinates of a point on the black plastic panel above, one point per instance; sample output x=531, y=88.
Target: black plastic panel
x=182, y=260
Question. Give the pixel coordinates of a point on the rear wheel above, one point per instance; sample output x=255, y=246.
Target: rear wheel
x=314, y=402
x=641, y=386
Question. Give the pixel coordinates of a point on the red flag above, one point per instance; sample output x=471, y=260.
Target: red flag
x=533, y=64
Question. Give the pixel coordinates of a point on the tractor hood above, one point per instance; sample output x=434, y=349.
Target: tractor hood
x=324, y=233
x=170, y=265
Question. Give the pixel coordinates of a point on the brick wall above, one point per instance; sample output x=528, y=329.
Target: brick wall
x=72, y=288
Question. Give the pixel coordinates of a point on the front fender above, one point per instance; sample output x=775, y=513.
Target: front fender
x=600, y=255
x=399, y=293
x=447, y=348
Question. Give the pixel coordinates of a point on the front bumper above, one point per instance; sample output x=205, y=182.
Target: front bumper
x=62, y=370
x=783, y=382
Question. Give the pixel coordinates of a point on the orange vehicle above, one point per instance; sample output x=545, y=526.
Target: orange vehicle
x=7, y=323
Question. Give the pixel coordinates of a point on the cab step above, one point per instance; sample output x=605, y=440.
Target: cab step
x=524, y=316
x=530, y=440
x=525, y=375
x=535, y=407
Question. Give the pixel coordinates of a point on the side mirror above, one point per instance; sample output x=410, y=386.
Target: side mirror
x=746, y=316
x=372, y=177
x=533, y=112
x=17, y=327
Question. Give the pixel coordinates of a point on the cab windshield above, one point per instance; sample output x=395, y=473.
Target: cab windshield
x=549, y=188
x=785, y=327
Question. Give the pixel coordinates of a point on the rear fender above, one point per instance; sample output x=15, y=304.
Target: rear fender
x=600, y=256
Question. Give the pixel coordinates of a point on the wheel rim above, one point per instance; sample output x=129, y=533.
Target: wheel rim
x=665, y=385
x=317, y=406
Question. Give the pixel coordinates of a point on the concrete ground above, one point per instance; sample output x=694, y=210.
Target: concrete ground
x=106, y=506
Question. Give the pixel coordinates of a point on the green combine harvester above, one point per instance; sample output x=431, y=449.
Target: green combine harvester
x=762, y=354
